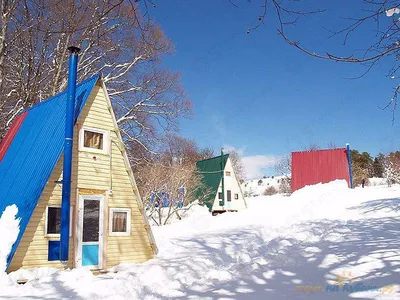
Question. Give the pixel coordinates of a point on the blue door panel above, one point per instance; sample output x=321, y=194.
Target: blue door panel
x=90, y=255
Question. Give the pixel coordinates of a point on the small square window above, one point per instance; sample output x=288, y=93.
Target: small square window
x=53, y=221
x=227, y=173
x=236, y=196
x=220, y=195
x=93, y=140
x=120, y=222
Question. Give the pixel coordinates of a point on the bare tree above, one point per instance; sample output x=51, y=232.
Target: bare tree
x=6, y=42
x=269, y=191
x=169, y=191
x=116, y=40
x=181, y=151
x=7, y=11
x=285, y=186
x=331, y=145
x=169, y=181
x=380, y=16
x=391, y=165
x=284, y=168
x=237, y=163
x=312, y=147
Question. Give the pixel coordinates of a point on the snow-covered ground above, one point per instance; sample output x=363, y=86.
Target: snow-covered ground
x=376, y=181
x=322, y=242
x=257, y=187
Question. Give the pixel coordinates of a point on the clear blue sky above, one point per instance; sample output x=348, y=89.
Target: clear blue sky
x=260, y=95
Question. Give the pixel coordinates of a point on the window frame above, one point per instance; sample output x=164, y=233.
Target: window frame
x=229, y=195
x=236, y=196
x=106, y=140
x=47, y=219
x=128, y=221
x=220, y=196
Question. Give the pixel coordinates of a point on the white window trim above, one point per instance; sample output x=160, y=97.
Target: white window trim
x=46, y=219
x=79, y=230
x=106, y=140
x=128, y=222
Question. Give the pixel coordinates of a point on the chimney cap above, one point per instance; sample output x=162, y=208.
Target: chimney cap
x=74, y=50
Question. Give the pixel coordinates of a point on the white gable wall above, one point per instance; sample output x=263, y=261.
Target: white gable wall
x=231, y=184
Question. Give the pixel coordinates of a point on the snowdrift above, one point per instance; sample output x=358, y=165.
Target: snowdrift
x=9, y=230
x=324, y=242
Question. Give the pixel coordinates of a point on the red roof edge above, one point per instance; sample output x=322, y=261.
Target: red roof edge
x=320, y=150
x=6, y=142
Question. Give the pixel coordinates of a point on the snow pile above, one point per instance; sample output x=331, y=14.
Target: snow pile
x=304, y=246
x=374, y=181
x=9, y=230
x=309, y=203
x=193, y=210
x=31, y=274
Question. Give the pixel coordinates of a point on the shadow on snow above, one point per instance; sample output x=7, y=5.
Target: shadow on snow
x=245, y=264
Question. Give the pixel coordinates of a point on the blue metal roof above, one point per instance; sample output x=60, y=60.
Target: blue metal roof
x=34, y=152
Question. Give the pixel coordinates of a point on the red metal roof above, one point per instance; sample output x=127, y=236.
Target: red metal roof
x=320, y=166
x=6, y=142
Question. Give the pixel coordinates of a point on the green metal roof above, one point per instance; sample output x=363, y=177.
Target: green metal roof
x=212, y=171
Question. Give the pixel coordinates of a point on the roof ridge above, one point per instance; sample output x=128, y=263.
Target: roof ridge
x=227, y=154
x=59, y=94
x=341, y=148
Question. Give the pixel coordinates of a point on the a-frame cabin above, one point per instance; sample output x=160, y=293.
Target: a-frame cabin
x=107, y=224
x=223, y=192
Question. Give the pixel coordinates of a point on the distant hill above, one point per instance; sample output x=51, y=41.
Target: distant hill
x=258, y=187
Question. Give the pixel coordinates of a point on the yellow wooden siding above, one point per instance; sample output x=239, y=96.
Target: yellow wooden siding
x=90, y=172
x=33, y=249
x=133, y=248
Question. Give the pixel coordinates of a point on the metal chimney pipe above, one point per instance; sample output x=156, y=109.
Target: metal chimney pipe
x=222, y=180
x=67, y=166
x=349, y=161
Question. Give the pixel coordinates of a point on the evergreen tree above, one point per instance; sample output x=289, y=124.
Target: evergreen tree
x=378, y=165
x=363, y=166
